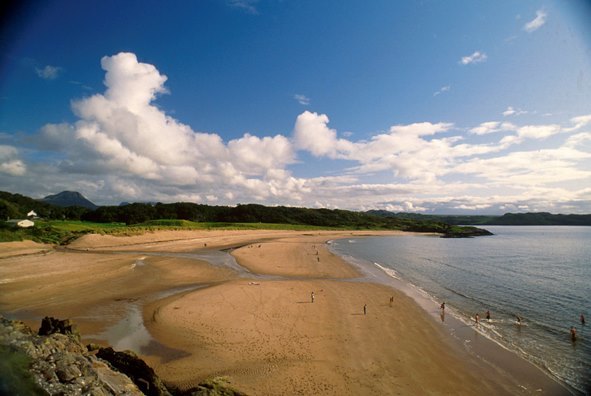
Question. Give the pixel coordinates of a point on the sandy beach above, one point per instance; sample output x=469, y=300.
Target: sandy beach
x=259, y=326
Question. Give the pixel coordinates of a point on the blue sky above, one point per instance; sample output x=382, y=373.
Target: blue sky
x=422, y=106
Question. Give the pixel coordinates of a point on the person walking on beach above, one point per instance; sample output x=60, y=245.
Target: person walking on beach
x=582, y=319
x=477, y=319
x=365, y=309
x=312, y=297
x=573, y=333
x=391, y=300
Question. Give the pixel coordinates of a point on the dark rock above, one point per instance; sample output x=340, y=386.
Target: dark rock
x=51, y=325
x=136, y=369
x=215, y=387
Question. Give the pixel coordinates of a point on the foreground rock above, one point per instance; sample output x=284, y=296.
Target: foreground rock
x=54, y=362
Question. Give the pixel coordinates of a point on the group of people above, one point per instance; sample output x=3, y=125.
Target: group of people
x=477, y=317
x=573, y=330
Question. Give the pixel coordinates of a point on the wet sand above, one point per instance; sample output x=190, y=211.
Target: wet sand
x=258, y=327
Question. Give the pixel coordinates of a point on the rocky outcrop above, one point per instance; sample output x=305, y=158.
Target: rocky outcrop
x=54, y=362
x=136, y=369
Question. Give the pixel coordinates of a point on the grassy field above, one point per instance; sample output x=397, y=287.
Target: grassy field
x=63, y=232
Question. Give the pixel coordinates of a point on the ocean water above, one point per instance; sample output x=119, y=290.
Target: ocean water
x=542, y=274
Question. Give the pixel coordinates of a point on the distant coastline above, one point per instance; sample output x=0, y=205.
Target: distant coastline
x=509, y=219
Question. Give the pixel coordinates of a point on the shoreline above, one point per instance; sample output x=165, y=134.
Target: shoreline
x=524, y=374
x=248, y=326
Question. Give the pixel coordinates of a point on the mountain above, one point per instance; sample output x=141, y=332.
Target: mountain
x=69, y=198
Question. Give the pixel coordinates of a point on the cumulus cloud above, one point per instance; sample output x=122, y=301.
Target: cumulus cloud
x=475, y=57
x=311, y=133
x=48, y=72
x=122, y=132
x=537, y=22
x=123, y=147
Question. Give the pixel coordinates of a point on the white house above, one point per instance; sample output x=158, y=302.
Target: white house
x=32, y=214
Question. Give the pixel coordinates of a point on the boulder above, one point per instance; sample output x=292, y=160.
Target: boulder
x=51, y=325
x=135, y=368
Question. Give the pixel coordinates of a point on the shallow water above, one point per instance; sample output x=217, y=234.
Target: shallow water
x=541, y=274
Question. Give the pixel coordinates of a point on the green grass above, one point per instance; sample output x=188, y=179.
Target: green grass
x=15, y=378
x=80, y=226
x=59, y=232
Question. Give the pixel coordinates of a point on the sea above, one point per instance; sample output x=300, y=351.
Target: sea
x=540, y=273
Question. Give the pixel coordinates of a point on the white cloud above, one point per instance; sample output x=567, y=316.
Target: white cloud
x=246, y=153
x=246, y=5
x=421, y=128
x=10, y=164
x=121, y=132
x=475, y=57
x=538, y=131
x=537, y=22
x=491, y=127
x=441, y=90
x=311, y=133
x=511, y=111
x=580, y=122
x=49, y=72
x=125, y=148
x=302, y=99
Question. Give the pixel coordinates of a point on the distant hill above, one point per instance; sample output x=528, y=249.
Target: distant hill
x=516, y=219
x=541, y=218
x=66, y=199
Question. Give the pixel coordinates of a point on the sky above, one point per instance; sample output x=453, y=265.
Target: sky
x=435, y=107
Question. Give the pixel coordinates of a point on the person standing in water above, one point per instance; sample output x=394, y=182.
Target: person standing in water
x=488, y=315
x=573, y=333
x=443, y=306
x=518, y=319
x=477, y=319
x=582, y=319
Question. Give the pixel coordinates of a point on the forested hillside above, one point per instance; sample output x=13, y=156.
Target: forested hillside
x=16, y=205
